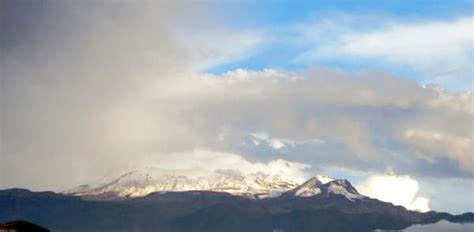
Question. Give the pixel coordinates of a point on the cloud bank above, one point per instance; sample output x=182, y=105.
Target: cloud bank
x=369, y=120
x=399, y=190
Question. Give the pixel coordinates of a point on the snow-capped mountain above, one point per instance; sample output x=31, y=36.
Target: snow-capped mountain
x=325, y=186
x=141, y=183
x=257, y=185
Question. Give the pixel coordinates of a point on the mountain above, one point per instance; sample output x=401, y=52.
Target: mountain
x=325, y=186
x=21, y=226
x=141, y=183
x=319, y=204
x=256, y=185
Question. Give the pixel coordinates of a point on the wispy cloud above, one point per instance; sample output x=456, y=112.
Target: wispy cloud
x=431, y=51
x=425, y=45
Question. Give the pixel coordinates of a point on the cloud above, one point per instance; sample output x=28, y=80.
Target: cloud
x=423, y=44
x=82, y=93
x=201, y=162
x=439, y=51
x=429, y=144
x=364, y=124
x=76, y=77
x=231, y=45
x=279, y=143
x=399, y=190
x=460, y=101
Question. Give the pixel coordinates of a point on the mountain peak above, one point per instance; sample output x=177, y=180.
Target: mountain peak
x=309, y=188
x=141, y=183
x=254, y=185
x=343, y=187
x=315, y=186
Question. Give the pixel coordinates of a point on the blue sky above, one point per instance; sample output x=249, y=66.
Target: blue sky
x=279, y=20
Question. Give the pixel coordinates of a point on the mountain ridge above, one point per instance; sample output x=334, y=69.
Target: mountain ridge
x=319, y=204
x=137, y=184
x=211, y=211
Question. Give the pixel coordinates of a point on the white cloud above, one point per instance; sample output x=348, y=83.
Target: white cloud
x=461, y=101
x=431, y=144
x=272, y=142
x=421, y=44
x=200, y=162
x=441, y=51
x=208, y=48
x=399, y=190
x=279, y=143
x=322, y=117
x=336, y=107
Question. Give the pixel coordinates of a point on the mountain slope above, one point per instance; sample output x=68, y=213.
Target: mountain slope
x=315, y=186
x=21, y=226
x=210, y=211
x=141, y=183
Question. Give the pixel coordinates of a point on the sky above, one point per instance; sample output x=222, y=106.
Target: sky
x=376, y=92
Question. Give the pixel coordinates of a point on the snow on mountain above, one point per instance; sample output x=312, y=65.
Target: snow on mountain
x=141, y=183
x=326, y=186
x=257, y=185
x=309, y=188
x=343, y=187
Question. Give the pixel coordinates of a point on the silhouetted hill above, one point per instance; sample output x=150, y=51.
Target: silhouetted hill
x=21, y=226
x=211, y=211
